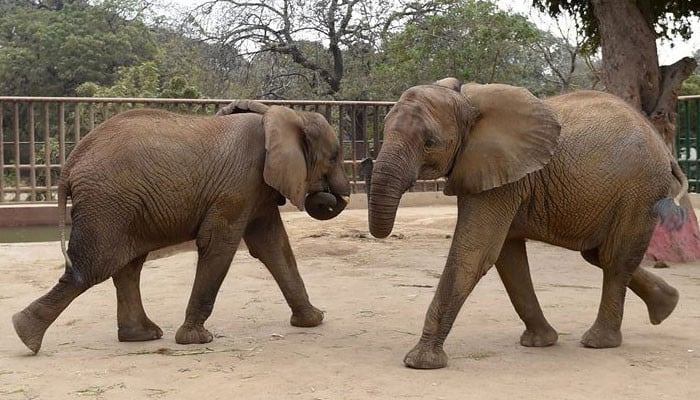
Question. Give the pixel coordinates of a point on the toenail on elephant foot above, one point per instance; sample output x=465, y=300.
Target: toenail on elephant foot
x=662, y=304
x=425, y=356
x=140, y=333
x=30, y=329
x=308, y=318
x=539, y=338
x=190, y=334
x=601, y=339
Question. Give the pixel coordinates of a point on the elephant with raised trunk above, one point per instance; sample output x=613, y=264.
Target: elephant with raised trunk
x=146, y=179
x=583, y=171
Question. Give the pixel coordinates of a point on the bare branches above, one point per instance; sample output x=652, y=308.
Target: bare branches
x=317, y=35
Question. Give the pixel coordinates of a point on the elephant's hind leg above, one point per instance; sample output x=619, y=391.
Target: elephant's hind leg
x=618, y=259
x=660, y=297
x=132, y=321
x=32, y=322
x=267, y=240
x=514, y=271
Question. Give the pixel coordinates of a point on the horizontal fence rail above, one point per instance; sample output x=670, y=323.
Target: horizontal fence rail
x=38, y=133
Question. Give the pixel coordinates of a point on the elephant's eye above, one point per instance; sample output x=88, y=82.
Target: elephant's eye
x=334, y=158
x=430, y=142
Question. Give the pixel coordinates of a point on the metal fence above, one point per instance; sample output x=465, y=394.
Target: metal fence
x=688, y=139
x=38, y=133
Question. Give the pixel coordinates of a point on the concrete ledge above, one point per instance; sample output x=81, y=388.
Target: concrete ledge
x=25, y=214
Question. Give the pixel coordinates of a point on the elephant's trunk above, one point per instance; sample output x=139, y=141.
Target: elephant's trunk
x=390, y=179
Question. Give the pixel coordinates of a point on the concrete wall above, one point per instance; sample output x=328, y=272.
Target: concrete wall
x=13, y=215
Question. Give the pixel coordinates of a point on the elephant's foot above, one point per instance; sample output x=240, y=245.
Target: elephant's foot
x=426, y=356
x=600, y=338
x=307, y=318
x=539, y=338
x=140, y=332
x=661, y=302
x=191, y=334
x=30, y=329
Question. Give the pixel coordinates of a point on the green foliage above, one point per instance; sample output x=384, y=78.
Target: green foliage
x=668, y=17
x=143, y=80
x=8, y=178
x=473, y=41
x=691, y=86
x=47, y=52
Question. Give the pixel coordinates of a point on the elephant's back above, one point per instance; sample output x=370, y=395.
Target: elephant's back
x=137, y=124
x=143, y=134
x=609, y=134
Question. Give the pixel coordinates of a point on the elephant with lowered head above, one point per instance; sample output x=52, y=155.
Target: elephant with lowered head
x=146, y=179
x=583, y=171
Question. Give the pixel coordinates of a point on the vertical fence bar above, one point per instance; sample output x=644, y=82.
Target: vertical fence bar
x=91, y=116
x=61, y=133
x=2, y=151
x=696, y=175
x=105, y=112
x=341, y=141
x=353, y=138
x=76, y=126
x=375, y=134
x=15, y=128
x=365, y=129
x=32, y=152
x=47, y=152
x=683, y=140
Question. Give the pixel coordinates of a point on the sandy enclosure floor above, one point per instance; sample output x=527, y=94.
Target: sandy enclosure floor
x=375, y=294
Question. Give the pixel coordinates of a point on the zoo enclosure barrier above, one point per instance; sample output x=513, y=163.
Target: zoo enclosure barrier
x=38, y=133
x=687, y=139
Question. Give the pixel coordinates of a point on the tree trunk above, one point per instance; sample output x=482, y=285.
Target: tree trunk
x=631, y=70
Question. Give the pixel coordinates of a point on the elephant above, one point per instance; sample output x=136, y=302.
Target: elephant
x=146, y=178
x=583, y=171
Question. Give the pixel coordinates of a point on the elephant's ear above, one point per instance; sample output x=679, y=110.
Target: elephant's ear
x=285, y=164
x=514, y=134
x=450, y=83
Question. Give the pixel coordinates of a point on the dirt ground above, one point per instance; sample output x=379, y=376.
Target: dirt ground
x=375, y=294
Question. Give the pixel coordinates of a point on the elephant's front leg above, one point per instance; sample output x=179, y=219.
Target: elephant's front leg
x=217, y=242
x=482, y=224
x=267, y=241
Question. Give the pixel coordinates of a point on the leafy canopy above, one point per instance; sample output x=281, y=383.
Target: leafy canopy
x=668, y=17
x=48, y=52
x=473, y=40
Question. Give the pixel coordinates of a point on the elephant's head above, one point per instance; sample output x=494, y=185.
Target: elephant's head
x=304, y=161
x=478, y=136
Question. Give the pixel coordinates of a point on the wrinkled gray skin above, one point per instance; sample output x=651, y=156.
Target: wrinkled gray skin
x=146, y=179
x=582, y=171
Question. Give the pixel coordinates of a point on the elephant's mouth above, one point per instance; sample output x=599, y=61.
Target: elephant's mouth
x=325, y=205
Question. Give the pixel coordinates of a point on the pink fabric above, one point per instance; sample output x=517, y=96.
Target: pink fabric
x=676, y=246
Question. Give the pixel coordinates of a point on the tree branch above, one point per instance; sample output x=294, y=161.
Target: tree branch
x=664, y=114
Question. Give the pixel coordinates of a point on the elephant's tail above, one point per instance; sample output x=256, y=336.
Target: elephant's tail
x=680, y=176
x=63, y=193
x=670, y=211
